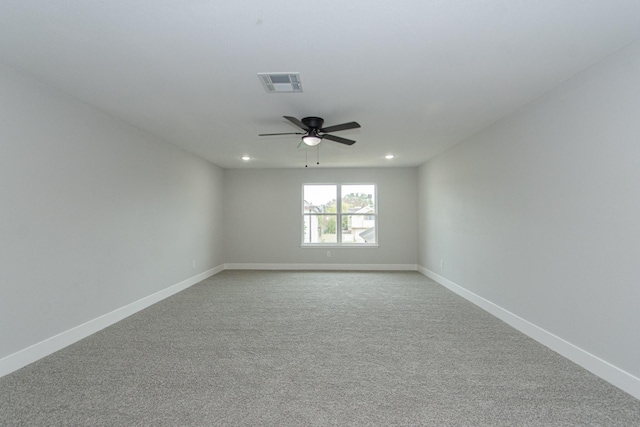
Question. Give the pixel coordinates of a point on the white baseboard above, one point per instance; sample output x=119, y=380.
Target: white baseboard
x=605, y=370
x=44, y=348
x=311, y=266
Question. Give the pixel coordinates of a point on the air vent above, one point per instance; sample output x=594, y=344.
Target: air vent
x=281, y=82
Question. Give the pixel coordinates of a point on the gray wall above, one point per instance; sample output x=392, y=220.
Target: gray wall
x=94, y=213
x=540, y=214
x=263, y=220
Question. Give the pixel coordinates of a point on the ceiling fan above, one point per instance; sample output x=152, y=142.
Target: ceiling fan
x=315, y=133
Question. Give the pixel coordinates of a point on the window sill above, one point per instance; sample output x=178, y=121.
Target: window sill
x=334, y=246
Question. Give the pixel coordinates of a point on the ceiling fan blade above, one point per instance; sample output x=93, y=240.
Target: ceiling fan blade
x=343, y=126
x=286, y=133
x=338, y=139
x=296, y=122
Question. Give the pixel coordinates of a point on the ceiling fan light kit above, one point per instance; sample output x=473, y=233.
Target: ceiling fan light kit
x=312, y=139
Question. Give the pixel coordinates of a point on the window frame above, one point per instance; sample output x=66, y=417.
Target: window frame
x=339, y=215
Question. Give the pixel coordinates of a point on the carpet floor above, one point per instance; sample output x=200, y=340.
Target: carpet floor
x=311, y=348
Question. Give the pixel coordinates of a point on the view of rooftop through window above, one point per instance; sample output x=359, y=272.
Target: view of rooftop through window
x=355, y=213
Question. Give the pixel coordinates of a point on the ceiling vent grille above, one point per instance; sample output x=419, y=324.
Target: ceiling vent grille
x=281, y=82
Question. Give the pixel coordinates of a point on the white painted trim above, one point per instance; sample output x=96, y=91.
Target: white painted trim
x=37, y=351
x=349, y=267
x=340, y=246
x=605, y=370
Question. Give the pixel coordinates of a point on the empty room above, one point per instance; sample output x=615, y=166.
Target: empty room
x=330, y=213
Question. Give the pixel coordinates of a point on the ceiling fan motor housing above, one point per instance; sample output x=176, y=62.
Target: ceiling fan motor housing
x=313, y=122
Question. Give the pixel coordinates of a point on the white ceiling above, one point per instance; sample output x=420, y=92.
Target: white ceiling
x=418, y=75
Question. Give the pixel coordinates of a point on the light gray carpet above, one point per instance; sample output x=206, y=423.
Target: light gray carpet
x=311, y=348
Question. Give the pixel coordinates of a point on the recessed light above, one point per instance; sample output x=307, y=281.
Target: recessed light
x=389, y=156
x=245, y=158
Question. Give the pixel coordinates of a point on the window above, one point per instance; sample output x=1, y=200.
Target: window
x=335, y=214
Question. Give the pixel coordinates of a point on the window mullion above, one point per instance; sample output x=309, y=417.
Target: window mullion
x=339, y=214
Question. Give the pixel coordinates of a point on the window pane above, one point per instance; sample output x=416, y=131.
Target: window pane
x=358, y=199
x=320, y=229
x=358, y=229
x=320, y=198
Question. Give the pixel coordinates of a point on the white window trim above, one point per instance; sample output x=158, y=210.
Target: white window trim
x=338, y=215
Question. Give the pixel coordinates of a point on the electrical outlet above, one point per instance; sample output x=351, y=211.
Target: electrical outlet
x=328, y=253
x=193, y=263
x=441, y=264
